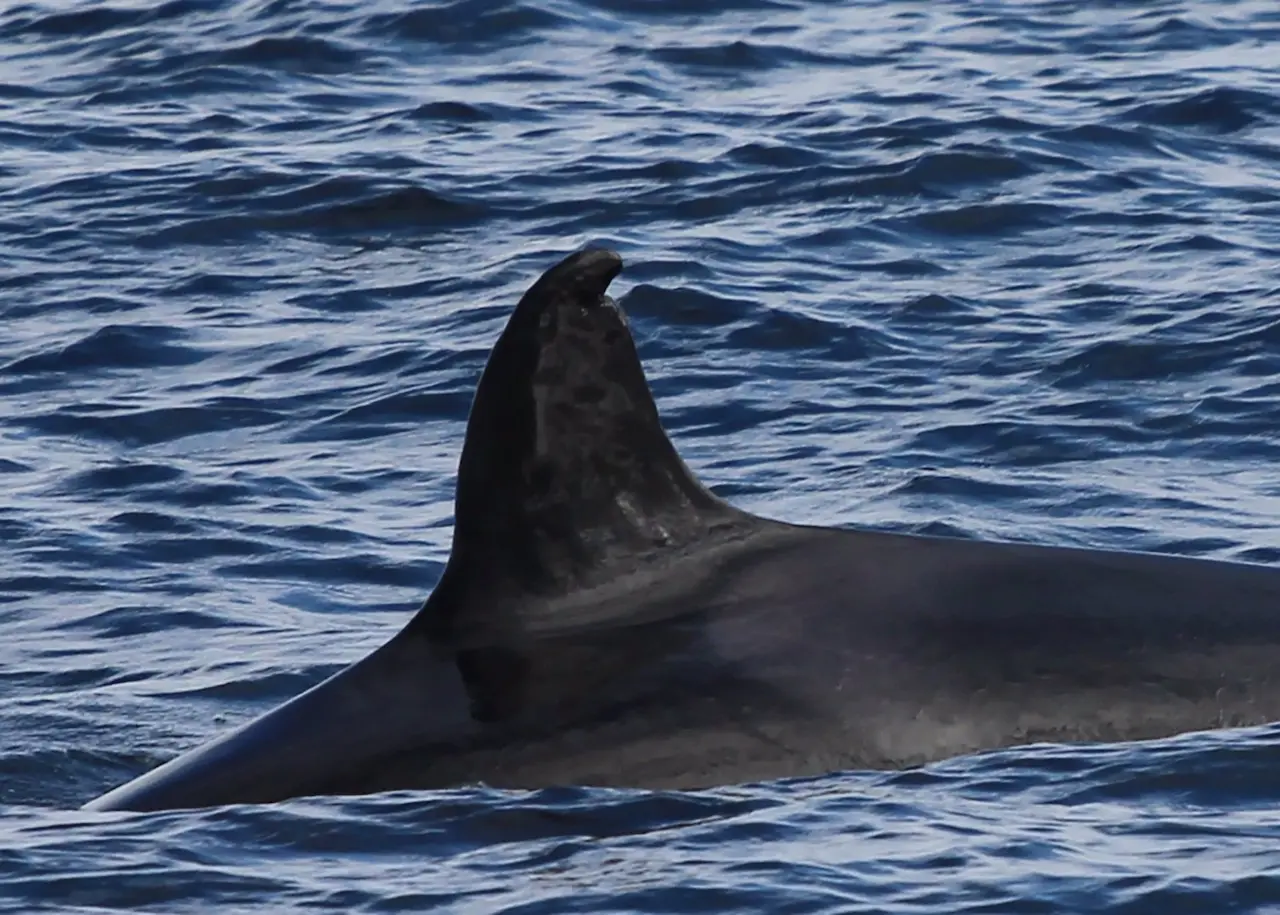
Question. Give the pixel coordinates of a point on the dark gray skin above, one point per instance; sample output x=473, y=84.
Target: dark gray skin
x=604, y=619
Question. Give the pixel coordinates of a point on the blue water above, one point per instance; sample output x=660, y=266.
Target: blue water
x=999, y=270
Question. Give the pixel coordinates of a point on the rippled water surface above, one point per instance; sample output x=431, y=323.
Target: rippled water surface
x=1002, y=270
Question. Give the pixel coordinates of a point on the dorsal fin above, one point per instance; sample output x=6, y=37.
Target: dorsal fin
x=567, y=479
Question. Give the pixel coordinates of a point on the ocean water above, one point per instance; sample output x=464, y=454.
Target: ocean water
x=994, y=269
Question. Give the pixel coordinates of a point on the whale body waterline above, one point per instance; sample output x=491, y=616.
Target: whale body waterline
x=604, y=619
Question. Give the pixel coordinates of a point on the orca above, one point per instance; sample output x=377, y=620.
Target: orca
x=605, y=619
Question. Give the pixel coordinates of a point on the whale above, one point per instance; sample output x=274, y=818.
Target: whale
x=605, y=619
